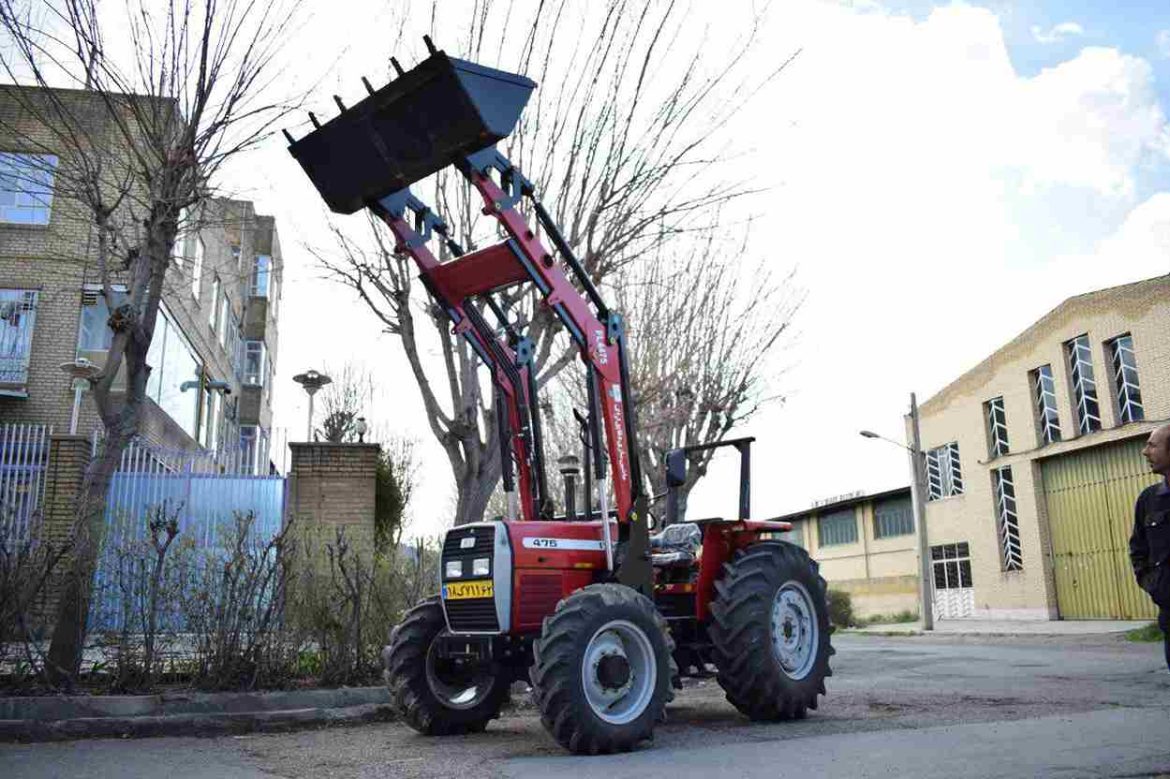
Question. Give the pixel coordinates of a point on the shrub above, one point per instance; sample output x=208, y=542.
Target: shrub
x=841, y=609
x=1150, y=632
x=232, y=608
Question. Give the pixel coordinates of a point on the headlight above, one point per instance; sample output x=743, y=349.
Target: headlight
x=480, y=566
x=454, y=569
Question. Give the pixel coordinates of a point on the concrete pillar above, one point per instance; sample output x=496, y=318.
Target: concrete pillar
x=69, y=456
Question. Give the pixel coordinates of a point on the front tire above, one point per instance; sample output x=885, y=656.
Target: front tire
x=434, y=696
x=602, y=670
x=770, y=631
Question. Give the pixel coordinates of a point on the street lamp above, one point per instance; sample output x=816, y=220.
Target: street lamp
x=81, y=371
x=918, y=499
x=360, y=427
x=312, y=381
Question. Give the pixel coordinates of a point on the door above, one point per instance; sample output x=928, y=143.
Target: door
x=1090, y=495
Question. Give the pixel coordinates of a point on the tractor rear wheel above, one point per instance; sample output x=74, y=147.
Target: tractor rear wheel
x=434, y=695
x=770, y=631
x=602, y=669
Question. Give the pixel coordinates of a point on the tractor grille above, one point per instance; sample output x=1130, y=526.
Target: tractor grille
x=484, y=536
x=475, y=615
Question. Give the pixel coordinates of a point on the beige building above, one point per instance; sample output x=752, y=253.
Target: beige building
x=1033, y=461
x=866, y=546
x=215, y=343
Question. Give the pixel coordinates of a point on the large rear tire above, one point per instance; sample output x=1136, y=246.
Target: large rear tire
x=602, y=669
x=770, y=631
x=434, y=696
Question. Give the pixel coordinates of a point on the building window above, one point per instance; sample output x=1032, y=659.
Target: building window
x=261, y=271
x=26, y=188
x=893, y=517
x=254, y=363
x=213, y=309
x=1125, y=380
x=1080, y=365
x=225, y=315
x=1044, y=393
x=997, y=435
x=197, y=267
x=248, y=448
x=838, y=527
x=952, y=566
x=18, y=317
x=236, y=255
x=174, y=381
x=944, y=475
x=95, y=334
x=179, y=250
x=211, y=419
x=1007, y=519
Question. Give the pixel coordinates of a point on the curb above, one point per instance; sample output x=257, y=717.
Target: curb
x=60, y=718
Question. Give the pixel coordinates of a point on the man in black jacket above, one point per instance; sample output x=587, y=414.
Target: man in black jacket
x=1149, y=546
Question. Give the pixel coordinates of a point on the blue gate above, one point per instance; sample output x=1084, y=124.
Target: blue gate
x=199, y=491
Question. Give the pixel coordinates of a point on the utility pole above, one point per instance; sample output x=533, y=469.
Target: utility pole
x=918, y=497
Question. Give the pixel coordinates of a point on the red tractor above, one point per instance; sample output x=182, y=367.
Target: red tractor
x=601, y=616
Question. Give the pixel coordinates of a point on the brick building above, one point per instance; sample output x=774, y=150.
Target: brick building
x=215, y=343
x=1033, y=461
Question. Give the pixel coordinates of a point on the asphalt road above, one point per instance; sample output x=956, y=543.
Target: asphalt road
x=905, y=707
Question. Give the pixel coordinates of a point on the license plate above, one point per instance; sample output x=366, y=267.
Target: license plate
x=463, y=590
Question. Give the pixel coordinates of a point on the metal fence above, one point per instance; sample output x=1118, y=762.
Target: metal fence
x=24, y=455
x=203, y=492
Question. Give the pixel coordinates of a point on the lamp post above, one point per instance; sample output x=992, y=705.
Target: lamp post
x=360, y=427
x=311, y=381
x=81, y=371
x=918, y=499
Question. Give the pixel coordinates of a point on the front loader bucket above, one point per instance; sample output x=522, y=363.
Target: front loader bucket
x=430, y=117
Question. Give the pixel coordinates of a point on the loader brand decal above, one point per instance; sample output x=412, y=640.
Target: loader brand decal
x=571, y=544
x=619, y=432
x=602, y=352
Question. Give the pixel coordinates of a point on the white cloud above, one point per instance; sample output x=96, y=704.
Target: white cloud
x=1058, y=33
x=1162, y=38
x=932, y=194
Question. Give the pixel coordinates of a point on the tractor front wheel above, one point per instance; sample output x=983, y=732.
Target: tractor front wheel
x=602, y=669
x=434, y=695
x=770, y=631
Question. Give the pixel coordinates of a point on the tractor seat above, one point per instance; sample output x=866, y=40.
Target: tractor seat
x=676, y=546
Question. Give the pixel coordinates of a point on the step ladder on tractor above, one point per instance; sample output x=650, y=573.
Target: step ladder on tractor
x=598, y=614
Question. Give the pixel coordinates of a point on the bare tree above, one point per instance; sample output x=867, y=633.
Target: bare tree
x=163, y=104
x=343, y=401
x=621, y=140
x=705, y=329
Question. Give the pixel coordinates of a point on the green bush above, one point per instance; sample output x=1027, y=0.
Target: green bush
x=841, y=609
x=1149, y=632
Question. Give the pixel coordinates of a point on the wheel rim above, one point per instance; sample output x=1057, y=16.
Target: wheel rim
x=795, y=632
x=619, y=672
x=457, y=684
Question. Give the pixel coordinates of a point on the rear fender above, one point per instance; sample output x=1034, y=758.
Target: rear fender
x=721, y=540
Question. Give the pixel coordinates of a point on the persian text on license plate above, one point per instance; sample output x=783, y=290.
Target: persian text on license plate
x=462, y=590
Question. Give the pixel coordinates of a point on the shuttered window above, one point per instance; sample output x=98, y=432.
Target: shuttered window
x=893, y=517
x=838, y=527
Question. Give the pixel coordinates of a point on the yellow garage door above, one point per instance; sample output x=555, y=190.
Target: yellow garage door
x=1090, y=496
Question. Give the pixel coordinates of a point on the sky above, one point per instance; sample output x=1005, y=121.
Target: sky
x=938, y=175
